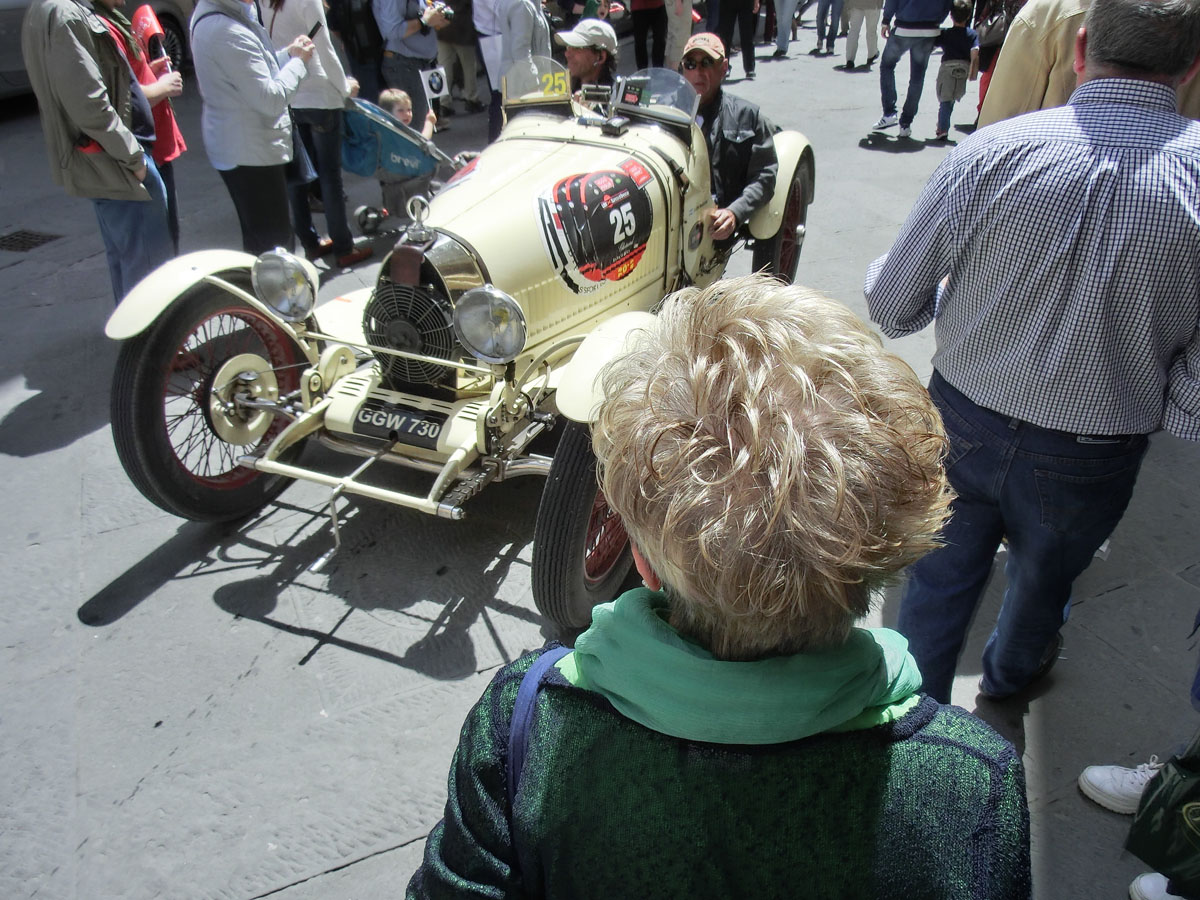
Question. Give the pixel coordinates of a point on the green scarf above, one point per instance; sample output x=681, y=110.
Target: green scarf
x=657, y=678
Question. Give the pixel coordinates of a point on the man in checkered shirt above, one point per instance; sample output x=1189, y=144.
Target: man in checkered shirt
x=1058, y=256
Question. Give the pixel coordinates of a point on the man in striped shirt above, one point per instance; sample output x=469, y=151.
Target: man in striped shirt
x=1058, y=255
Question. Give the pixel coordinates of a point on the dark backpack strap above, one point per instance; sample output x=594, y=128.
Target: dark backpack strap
x=518, y=729
x=518, y=742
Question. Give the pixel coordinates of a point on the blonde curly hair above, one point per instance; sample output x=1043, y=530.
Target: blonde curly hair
x=771, y=462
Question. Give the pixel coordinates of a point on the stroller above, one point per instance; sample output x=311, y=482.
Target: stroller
x=374, y=144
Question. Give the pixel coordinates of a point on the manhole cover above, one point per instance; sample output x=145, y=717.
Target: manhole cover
x=23, y=241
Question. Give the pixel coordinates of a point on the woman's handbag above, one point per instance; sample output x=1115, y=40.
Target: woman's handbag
x=991, y=32
x=300, y=170
x=1166, y=829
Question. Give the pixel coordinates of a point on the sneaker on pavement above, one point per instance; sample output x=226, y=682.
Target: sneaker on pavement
x=905, y=131
x=886, y=122
x=1117, y=787
x=1151, y=886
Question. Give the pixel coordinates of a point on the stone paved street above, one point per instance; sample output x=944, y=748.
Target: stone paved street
x=188, y=711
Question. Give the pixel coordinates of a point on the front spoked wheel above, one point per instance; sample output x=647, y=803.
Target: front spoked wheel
x=580, y=549
x=181, y=413
x=780, y=255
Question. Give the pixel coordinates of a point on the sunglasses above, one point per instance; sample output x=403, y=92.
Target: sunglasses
x=704, y=62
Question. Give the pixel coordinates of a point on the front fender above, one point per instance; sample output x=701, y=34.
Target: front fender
x=158, y=290
x=793, y=149
x=579, y=388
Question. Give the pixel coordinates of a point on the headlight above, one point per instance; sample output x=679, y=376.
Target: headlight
x=490, y=324
x=281, y=281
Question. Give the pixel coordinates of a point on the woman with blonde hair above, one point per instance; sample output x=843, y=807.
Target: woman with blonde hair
x=727, y=730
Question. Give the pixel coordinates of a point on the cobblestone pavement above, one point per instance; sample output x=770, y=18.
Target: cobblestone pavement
x=189, y=711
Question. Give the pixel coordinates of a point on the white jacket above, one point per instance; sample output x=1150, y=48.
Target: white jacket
x=245, y=86
x=326, y=86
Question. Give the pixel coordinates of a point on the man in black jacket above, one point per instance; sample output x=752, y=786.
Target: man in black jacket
x=741, y=150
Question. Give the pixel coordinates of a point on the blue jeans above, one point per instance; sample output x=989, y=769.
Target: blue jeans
x=945, y=108
x=918, y=50
x=136, y=237
x=785, y=10
x=1055, y=496
x=321, y=130
x=831, y=9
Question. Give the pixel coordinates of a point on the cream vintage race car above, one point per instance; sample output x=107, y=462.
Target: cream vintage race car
x=486, y=327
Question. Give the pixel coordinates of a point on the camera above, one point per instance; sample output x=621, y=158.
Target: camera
x=439, y=7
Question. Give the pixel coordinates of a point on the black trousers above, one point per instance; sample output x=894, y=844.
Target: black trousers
x=653, y=22
x=740, y=13
x=260, y=196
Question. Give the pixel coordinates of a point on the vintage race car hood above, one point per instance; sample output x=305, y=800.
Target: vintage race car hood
x=568, y=227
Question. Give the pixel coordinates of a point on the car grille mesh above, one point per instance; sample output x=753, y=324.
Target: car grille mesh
x=411, y=318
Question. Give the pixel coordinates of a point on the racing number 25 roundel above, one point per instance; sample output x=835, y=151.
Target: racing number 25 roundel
x=595, y=225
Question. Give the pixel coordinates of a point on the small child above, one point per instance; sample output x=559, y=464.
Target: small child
x=397, y=104
x=396, y=193
x=960, y=63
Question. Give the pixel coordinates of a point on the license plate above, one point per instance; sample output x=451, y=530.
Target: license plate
x=416, y=427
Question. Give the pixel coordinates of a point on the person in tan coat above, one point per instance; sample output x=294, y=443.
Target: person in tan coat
x=1036, y=65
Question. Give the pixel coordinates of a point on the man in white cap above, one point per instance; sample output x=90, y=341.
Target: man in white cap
x=591, y=48
x=741, y=149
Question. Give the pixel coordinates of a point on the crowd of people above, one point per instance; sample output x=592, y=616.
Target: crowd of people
x=772, y=463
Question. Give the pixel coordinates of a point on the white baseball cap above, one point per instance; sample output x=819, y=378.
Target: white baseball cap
x=589, y=33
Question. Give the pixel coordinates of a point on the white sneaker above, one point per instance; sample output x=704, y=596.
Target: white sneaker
x=1150, y=886
x=1116, y=787
x=886, y=122
x=905, y=131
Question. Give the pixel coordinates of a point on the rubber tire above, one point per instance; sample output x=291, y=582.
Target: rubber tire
x=561, y=590
x=139, y=421
x=795, y=212
x=174, y=42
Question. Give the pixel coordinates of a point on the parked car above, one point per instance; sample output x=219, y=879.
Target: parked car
x=172, y=14
x=484, y=330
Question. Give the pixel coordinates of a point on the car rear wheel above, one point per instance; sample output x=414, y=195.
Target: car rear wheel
x=178, y=428
x=780, y=254
x=580, y=549
x=174, y=42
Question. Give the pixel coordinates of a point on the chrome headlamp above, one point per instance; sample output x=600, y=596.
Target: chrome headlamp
x=282, y=282
x=490, y=324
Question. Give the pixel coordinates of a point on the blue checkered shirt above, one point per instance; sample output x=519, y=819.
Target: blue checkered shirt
x=1070, y=241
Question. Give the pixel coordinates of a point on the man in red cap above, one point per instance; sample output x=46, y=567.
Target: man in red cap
x=741, y=150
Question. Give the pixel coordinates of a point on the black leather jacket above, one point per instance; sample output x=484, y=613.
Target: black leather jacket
x=741, y=153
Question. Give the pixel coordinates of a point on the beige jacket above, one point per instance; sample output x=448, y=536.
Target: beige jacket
x=1035, y=69
x=82, y=86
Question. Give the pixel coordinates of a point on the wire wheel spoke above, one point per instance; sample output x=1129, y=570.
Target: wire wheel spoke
x=188, y=388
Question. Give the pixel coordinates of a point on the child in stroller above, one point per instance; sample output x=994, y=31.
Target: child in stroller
x=380, y=142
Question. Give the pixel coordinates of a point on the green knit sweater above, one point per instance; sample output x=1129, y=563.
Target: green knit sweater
x=930, y=805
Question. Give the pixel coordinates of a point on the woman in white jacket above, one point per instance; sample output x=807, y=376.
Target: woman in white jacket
x=246, y=86
x=317, y=112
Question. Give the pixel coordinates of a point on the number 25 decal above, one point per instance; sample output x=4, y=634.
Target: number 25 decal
x=623, y=222
x=554, y=83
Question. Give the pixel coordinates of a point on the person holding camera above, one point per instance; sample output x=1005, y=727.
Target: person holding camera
x=410, y=44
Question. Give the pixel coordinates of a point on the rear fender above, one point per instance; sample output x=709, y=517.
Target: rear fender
x=793, y=150
x=155, y=293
